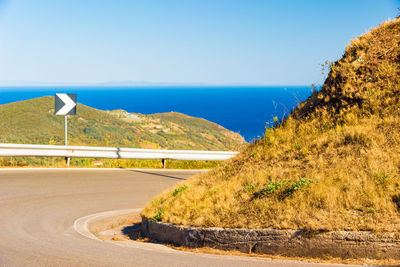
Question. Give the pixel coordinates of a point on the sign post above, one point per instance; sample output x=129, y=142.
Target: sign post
x=66, y=130
x=65, y=104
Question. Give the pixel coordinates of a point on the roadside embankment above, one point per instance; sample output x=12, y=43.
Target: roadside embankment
x=351, y=247
x=292, y=243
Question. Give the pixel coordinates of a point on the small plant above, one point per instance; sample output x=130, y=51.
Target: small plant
x=158, y=216
x=272, y=187
x=301, y=183
x=267, y=136
x=366, y=210
x=213, y=190
x=356, y=139
x=282, y=188
x=304, y=151
x=249, y=187
x=371, y=210
x=276, y=120
x=179, y=190
x=361, y=209
x=380, y=178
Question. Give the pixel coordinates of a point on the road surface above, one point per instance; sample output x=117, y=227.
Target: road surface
x=38, y=209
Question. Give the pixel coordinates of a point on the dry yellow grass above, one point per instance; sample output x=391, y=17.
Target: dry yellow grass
x=333, y=164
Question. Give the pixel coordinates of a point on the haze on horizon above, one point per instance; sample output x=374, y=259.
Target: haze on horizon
x=179, y=42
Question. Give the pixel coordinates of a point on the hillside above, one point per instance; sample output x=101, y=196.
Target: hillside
x=33, y=122
x=332, y=164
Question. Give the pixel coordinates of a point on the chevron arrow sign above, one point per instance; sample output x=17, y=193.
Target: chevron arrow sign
x=65, y=104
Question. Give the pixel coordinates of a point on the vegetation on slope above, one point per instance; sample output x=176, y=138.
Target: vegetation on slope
x=33, y=122
x=333, y=164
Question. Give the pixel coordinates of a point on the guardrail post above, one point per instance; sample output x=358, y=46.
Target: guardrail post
x=67, y=160
x=164, y=163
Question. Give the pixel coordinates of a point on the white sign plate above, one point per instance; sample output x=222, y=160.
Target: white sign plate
x=65, y=104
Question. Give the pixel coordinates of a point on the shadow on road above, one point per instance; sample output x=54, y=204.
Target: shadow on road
x=133, y=231
x=158, y=174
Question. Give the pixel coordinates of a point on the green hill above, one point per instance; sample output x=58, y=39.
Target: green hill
x=333, y=164
x=33, y=122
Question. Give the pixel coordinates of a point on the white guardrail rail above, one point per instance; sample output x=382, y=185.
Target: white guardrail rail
x=13, y=150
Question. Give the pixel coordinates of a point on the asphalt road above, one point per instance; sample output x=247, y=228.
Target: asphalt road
x=38, y=209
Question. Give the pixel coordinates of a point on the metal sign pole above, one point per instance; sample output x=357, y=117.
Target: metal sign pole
x=67, y=159
x=66, y=130
x=65, y=104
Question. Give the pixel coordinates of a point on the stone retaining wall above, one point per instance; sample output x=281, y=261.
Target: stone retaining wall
x=343, y=244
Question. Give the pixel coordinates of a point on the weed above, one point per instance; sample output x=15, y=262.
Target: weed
x=371, y=210
x=272, y=187
x=276, y=120
x=301, y=183
x=380, y=178
x=179, y=190
x=213, y=190
x=249, y=187
x=366, y=209
x=283, y=188
x=158, y=216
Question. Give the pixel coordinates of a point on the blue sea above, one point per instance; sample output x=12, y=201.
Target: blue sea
x=245, y=110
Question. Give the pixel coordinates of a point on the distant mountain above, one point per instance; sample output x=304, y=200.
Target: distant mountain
x=146, y=83
x=39, y=83
x=33, y=122
x=107, y=83
x=130, y=83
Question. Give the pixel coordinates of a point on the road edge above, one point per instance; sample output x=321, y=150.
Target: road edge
x=80, y=226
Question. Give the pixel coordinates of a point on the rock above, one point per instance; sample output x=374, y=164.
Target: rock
x=294, y=243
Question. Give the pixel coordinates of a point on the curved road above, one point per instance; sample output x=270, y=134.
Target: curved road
x=38, y=209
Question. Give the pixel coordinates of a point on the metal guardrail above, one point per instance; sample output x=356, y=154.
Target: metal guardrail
x=110, y=152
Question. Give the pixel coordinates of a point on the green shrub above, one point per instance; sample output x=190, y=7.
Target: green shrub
x=380, y=178
x=179, y=190
x=301, y=183
x=158, y=216
x=272, y=187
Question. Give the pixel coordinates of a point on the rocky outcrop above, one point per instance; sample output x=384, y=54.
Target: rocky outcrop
x=302, y=243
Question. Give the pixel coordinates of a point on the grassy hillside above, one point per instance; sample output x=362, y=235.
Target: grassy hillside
x=333, y=164
x=33, y=122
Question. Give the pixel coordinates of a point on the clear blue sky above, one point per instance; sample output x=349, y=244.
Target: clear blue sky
x=277, y=42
